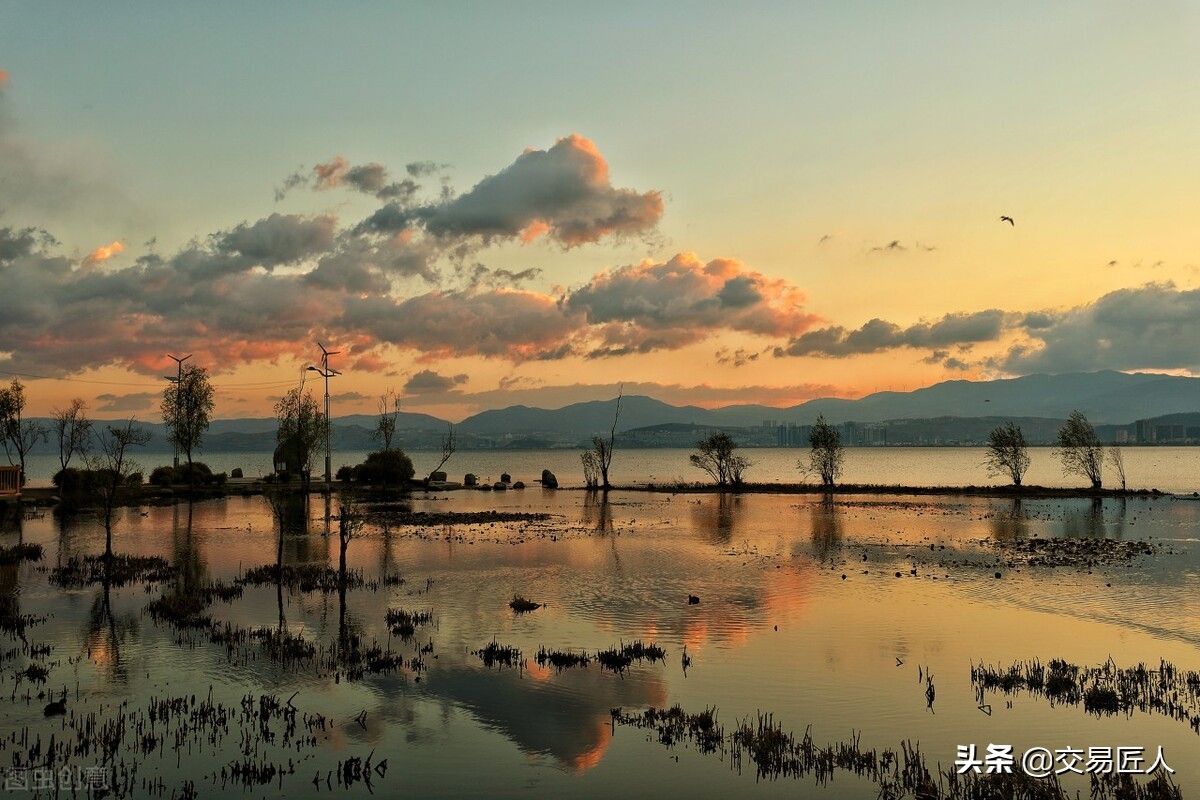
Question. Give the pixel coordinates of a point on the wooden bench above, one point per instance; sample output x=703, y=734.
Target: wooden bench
x=10, y=481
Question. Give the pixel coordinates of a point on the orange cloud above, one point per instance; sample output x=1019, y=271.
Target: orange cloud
x=533, y=230
x=104, y=253
x=330, y=175
x=3, y=78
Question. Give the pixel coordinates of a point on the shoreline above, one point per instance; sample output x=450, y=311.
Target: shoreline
x=48, y=496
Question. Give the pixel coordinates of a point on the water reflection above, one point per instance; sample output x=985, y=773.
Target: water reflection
x=597, y=511
x=1087, y=521
x=716, y=517
x=826, y=529
x=1010, y=524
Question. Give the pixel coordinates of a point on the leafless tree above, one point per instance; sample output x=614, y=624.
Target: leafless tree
x=1116, y=460
x=115, y=467
x=602, y=449
x=73, y=430
x=449, y=444
x=591, y=469
x=302, y=425
x=1007, y=453
x=1079, y=449
x=389, y=414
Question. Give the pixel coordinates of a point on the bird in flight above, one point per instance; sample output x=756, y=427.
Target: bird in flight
x=1009, y=220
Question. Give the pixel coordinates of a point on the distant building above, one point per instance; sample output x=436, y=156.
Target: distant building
x=1144, y=432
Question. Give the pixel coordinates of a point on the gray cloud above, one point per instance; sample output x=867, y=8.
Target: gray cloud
x=878, y=335
x=653, y=306
x=1155, y=326
x=138, y=401
x=566, y=189
x=427, y=382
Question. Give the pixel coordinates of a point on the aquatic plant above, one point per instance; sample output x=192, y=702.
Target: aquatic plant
x=523, y=605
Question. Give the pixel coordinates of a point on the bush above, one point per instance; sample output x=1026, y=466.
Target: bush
x=200, y=471
x=345, y=473
x=134, y=479
x=69, y=479
x=163, y=477
x=385, y=466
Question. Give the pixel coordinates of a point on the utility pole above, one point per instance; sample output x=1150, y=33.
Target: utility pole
x=178, y=381
x=325, y=372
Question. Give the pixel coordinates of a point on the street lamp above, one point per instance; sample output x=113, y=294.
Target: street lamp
x=178, y=381
x=325, y=372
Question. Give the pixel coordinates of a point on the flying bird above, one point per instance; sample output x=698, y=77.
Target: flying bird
x=1009, y=220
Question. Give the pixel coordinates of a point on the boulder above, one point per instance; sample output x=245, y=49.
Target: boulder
x=236, y=472
x=505, y=477
x=437, y=477
x=500, y=486
x=519, y=485
x=548, y=479
x=470, y=479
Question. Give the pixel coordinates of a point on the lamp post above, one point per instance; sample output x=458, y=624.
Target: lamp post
x=325, y=372
x=178, y=381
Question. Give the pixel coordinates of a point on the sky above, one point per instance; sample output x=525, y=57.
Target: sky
x=487, y=204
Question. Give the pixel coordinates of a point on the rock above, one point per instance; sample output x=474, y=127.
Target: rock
x=693, y=600
x=505, y=477
x=519, y=485
x=470, y=479
x=500, y=486
x=437, y=477
x=548, y=479
x=236, y=472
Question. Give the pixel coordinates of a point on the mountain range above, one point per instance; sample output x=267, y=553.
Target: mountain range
x=1112, y=398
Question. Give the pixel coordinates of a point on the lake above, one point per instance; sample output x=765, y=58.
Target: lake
x=832, y=617
x=1169, y=469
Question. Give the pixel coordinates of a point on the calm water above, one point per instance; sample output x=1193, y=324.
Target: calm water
x=778, y=630
x=1169, y=469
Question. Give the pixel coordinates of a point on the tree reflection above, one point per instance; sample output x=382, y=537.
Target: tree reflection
x=1086, y=521
x=826, y=529
x=597, y=512
x=716, y=519
x=1011, y=523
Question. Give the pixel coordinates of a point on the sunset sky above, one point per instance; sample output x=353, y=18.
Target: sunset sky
x=484, y=204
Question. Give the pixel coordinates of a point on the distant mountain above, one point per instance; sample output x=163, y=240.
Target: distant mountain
x=1108, y=399
x=595, y=416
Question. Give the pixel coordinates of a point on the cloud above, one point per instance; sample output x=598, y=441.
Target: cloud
x=348, y=396
x=667, y=305
x=1155, y=326
x=563, y=192
x=893, y=246
x=3, y=79
x=429, y=382
x=280, y=239
x=104, y=253
x=138, y=401
x=703, y=394
x=739, y=357
x=502, y=323
x=878, y=335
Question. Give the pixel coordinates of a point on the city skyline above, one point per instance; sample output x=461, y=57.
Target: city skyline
x=787, y=203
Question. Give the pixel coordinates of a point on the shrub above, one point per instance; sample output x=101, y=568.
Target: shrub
x=163, y=477
x=345, y=473
x=385, y=466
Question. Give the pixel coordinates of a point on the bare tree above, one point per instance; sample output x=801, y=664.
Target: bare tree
x=17, y=434
x=1079, y=449
x=115, y=467
x=389, y=414
x=449, y=444
x=827, y=456
x=591, y=469
x=602, y=448
x=187, y=407
x=73, y=430
x=716, y=457
x=1116, y=460
x=1007, y=453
